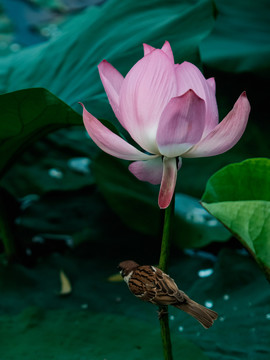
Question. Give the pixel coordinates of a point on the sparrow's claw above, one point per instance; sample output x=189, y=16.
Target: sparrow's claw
x=163, y=311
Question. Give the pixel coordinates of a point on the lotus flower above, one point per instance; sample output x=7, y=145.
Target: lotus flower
x=170, y=110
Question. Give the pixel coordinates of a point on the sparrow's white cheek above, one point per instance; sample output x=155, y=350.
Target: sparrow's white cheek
x=126, y=278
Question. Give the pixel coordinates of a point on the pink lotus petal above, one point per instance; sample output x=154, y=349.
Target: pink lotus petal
x=110, y=142
x=148, y=170
x=112, y=81
x=211, y=82
x=148, y=49
x=145, y=92
x=226, y=134
x=181, y=124
x=168, y=182
x=190, y=77
x=166, y=48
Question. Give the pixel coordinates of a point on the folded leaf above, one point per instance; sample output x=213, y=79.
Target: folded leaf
x=28, y=115
x=239, y=196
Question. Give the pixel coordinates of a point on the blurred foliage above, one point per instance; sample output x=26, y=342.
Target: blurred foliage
x=101, y=319
x=38, y=169
x=54, y=164
x=65, y=196
x=24, y=23
x=51, y=4
x=239, y=196
x=47, y=166
x=65, y=5
x=239, y=41
x=97, y=33
x=193, y=226
x=28, y=115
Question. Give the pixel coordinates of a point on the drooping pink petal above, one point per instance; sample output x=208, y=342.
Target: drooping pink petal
x=112, y=81
x=168, y=50
x=110, y=142
x=168, y=182
x=148, y=170
x=181, y=124
x=145, y=92
x=226, y=134
x=190, y=77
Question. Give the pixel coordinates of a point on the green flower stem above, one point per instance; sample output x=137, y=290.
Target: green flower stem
x=163, y=265
x=5, y=230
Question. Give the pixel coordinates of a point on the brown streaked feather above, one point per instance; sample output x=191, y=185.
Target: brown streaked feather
x=151, y=284
x=142, y=283
x=167, y=290
x=204, y=315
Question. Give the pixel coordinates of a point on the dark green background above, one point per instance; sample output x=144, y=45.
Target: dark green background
x=106, y=213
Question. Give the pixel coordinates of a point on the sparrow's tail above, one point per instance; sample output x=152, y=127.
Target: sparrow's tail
x=205, y=316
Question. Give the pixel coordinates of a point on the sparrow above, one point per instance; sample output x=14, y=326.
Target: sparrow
x=151, y=284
